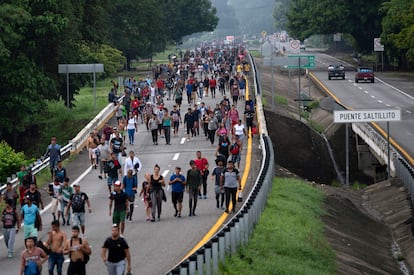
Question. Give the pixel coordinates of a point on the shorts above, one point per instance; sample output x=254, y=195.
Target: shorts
x=242, y=92
x=176, y=124
x=110, y=180
x=218, y=190
x=78, y=218
x=56, y=205
x=118, y=216
x=193, y=95
x=235, y=158
x=29, y=231
x=177, y=197
x=92, y=154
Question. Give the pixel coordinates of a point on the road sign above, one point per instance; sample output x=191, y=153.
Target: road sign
x=366, y=116
x=378, y=47
x=294, y=46
x=306, y=61
x=80, y=68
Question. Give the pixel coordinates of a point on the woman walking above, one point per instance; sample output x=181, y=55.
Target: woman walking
x=166, y=125
x=131, y=128
x=157, y=183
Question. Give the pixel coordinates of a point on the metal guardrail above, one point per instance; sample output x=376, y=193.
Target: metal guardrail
x=239, y=228
x=75, y=145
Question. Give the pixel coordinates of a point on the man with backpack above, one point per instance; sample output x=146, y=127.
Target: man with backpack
x=79, y=252
x=77, y=202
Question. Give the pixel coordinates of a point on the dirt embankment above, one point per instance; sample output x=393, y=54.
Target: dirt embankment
x=360, y=225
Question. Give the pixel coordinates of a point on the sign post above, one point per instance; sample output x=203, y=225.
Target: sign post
x=378, y=47
x=80, y=68
x=366, y=116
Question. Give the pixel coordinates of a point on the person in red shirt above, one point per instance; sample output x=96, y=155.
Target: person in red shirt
x=160, y=86
x=213, y=84
x=202, y=166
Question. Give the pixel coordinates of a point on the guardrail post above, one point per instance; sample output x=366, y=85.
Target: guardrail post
x=237, y=227
x=222, y=246
x=215, y=254
x=200, y=261
x=227, y=239
x=192, y=265
x=184, y=268
x=207, y=257
x=232, y=237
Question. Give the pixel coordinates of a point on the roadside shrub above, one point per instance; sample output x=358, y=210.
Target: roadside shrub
x=10, y=161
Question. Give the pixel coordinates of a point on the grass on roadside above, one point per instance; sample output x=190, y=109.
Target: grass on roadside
x=289, y=236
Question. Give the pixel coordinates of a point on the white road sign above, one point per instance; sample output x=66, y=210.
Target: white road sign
x=366, y=116
x=378, y=47
x=294, y=46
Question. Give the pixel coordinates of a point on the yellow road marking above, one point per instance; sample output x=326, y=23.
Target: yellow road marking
x=375, y=125
x=223, y=216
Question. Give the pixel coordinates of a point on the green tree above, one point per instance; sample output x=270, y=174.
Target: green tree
x=10, y=161
x=360, y=19
x=398, y=30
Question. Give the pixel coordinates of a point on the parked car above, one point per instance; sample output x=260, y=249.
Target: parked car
x=336, y=71
x=364, y=74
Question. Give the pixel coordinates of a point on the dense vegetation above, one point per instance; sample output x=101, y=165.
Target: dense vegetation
x=289, y=236
x=36, y=36
x=359, y=21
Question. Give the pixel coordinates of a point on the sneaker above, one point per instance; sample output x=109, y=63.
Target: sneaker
x=152, y=220
x=179, y=215
x=227, y=211
x=9, y=255
x=205, y=197
x=100, y=177
x=194, y=214
x=148, y=219
x=176, y=212
x=129, y=221
x=200, y=197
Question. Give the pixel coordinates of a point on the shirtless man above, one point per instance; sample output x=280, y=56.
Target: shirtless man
x=91, y=145
x=77, y=248
x=56, y=241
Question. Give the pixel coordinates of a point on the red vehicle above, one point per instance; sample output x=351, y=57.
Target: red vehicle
x=364, y=74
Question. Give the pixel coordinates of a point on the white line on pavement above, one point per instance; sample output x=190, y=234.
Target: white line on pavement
x=176, y=156
x=182, y=141
x=165, y=173
x=77, y=180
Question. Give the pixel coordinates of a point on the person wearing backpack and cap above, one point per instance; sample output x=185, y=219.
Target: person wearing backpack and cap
x=77, y=202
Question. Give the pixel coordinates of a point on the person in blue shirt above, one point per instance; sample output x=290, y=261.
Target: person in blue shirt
x=130, y=185
x=177, y=182
x=29, y=214
x=53, y=151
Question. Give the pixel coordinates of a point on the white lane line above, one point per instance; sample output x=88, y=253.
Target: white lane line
x=408, y=111
x=398, y=90
x=379, y=101
x=372, y=96
x=349, y=80
x=165, y=173
x=47, y=207
x=388, y=105
x=182, y=140
x=366, y=92
x=176, y=156
x=360, y=88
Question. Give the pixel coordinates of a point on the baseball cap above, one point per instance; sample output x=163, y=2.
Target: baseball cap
x=76, y=184
x=117, y=183
x=192, y=162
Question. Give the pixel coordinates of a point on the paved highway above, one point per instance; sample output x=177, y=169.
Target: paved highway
x=158, y=246
x=378, y=95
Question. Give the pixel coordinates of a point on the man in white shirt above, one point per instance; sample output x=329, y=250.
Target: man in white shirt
x=133, y=163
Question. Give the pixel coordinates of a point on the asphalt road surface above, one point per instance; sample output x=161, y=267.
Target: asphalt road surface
x=155, y=247
x=379, y=95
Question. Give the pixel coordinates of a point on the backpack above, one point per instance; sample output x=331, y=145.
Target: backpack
x=85, y=256
x=77, y=201
x=234, y=149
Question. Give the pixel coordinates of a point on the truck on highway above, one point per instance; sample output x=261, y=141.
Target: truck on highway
x=336, y=71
